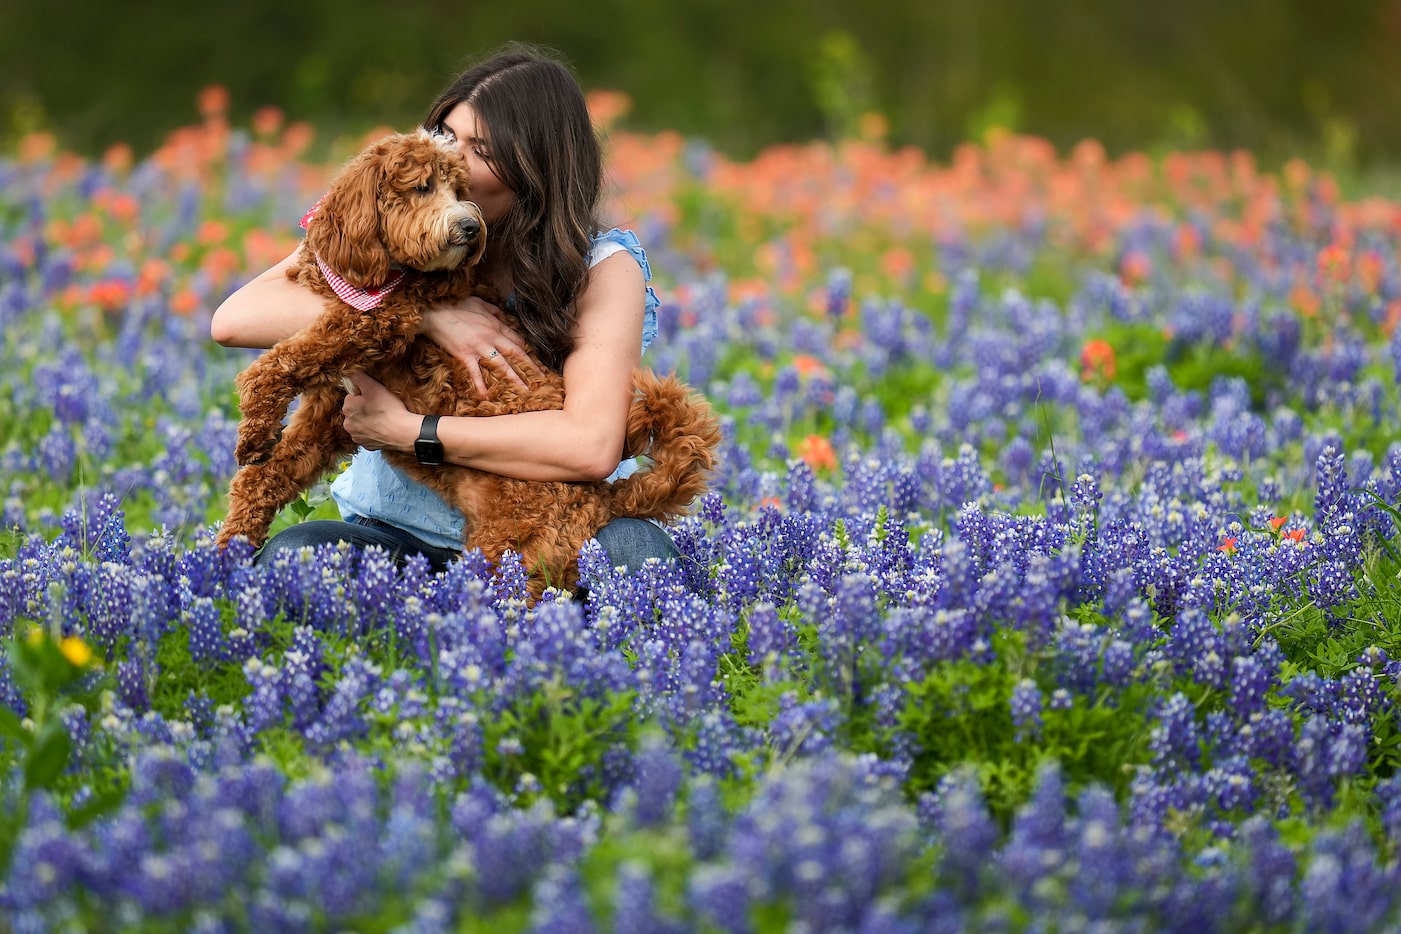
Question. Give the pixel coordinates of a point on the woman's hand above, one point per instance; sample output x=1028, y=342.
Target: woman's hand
x=376, y=419
x=474, y=332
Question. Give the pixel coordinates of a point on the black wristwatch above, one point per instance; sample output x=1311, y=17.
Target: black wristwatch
x=428, y=449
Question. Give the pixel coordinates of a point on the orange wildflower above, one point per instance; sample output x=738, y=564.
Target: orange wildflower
x=36, y=147
x=1097, y=360
x=1295, y=535
x=817, y=451
x=1135, y=268
x=118, y=158
x=607, y=107
x=897, y=262
x=1305, y=299
x=1277, y=521
x=184, y=302
x=122, y=206
x=213, y=100
x=211, y=232
x=1393, y=317
x=86, y=230
x=110, y=294
x=297, y=137
x=873, y=126
x=154, y=271
x=808, y=365
x=267, y=121
x=220, y=264
x=1334, y=263
x=1228, y=545
x=1370, y=270
x=1187, y=242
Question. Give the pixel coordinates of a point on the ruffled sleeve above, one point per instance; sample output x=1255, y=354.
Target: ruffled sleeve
x=616, y=240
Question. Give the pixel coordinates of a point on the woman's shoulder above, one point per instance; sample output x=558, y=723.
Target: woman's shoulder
x=617, y=240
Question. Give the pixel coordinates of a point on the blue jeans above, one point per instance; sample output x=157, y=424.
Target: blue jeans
x=628, y=542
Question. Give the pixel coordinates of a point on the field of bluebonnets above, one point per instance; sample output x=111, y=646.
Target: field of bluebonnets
x=1049, y=581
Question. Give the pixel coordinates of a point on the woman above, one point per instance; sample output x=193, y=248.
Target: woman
x=581, y=298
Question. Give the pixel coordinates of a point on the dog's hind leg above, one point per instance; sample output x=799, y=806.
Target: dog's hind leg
x=314, y=440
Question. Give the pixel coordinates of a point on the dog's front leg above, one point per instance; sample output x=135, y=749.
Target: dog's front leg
x=314, y=441
x=322, y=355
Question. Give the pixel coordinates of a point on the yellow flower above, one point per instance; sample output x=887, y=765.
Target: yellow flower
x=76, y=651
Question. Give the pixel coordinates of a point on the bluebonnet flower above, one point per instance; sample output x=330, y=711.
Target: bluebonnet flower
x=1175, y=739
x=706, y=819
x=1344, y=886
x=634, y=904
x=1026, y=709
x=134, y=677
x=771, y=640
x=302, y=669
x=207, y=642
x=721, y=896
x=343, y=716
x=1036, y=846
x=651, y=797
x=967, y=833
x=803, y=728
x=97, y=526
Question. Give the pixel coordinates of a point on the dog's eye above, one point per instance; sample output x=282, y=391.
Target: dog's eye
x=424, y=187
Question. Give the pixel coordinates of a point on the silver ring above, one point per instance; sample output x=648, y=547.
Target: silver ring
x=494, y=353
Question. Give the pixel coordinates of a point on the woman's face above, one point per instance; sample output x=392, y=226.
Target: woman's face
x=473, y=141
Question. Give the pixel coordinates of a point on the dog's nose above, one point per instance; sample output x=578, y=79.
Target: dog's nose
x=470, y=228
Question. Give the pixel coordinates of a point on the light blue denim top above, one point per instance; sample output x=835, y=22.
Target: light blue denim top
x=370, y=487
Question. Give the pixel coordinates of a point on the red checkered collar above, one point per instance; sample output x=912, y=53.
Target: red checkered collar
x=363, y=299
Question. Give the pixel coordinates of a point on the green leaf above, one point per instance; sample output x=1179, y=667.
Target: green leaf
x=12, y=726
x=48, y=757
x=96, y=806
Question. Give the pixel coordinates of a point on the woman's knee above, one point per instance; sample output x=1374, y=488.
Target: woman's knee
x=631, y=542
x=310, y=534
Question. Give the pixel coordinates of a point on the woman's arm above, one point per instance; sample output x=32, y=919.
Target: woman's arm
x=272, y=307
x=266, y=310
x=582, y=441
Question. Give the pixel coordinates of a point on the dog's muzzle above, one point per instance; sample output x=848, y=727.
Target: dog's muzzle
x=468, y=229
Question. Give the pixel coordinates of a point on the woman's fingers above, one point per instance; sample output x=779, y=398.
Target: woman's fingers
x=478, y=381
x=500, y=361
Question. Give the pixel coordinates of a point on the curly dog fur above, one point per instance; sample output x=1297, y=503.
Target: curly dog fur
x=403, y=204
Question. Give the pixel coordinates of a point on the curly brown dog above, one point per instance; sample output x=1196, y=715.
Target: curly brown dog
x=399, y=213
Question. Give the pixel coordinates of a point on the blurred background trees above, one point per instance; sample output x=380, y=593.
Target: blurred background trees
x=1280, y=77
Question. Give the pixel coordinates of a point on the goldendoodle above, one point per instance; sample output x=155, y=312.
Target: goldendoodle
x=395, y=234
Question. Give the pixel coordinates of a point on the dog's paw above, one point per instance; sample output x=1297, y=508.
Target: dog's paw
x=250, y=452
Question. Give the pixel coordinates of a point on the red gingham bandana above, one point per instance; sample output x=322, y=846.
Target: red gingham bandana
x=354, y=296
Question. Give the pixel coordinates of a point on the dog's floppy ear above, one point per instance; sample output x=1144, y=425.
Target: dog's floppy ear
x=345, y=231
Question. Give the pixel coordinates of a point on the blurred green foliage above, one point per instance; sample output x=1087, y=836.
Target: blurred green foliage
x=1280, y=77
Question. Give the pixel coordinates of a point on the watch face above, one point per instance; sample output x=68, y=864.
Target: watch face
x=427, y=448
x=428, y=451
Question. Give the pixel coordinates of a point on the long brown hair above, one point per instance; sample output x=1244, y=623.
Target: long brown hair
x=544, y=148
